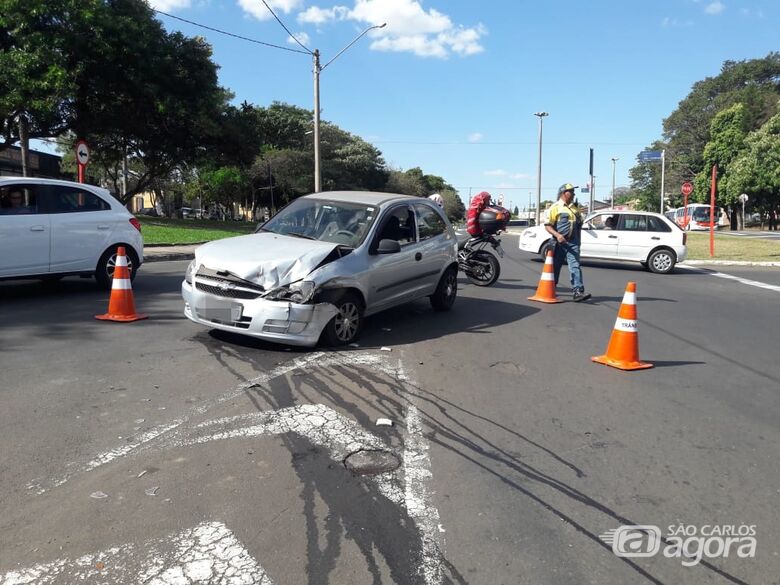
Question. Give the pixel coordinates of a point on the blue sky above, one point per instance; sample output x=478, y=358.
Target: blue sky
x=451, y=86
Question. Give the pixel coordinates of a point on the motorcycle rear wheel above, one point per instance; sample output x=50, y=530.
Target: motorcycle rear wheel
x=484, y=269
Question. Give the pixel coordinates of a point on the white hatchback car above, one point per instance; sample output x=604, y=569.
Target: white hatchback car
x=636, y=236
x=51, y=228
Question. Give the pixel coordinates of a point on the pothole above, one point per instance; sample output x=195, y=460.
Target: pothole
x=371, y=462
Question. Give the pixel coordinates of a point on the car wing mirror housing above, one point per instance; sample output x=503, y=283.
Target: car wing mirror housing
x=388, y=247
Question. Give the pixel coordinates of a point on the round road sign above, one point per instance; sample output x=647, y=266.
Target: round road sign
x=687, y=188
x=82, y=152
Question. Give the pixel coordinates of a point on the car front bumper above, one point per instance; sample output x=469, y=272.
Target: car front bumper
x=278, y=321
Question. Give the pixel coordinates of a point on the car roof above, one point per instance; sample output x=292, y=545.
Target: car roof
x=364, y=197
x=624, y=212
x=5, y=179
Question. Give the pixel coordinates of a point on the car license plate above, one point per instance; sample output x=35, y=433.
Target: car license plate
x=500, y=251
x=223, y=312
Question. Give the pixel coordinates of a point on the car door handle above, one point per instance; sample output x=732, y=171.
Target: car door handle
x=613, y=237
x=103, y=227
x=655, y=238
x=418, y=256
x=37, y=228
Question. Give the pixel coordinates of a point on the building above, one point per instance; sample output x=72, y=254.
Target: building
x=41, y=164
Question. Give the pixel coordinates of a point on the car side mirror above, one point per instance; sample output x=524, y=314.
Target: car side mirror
x=388, y=247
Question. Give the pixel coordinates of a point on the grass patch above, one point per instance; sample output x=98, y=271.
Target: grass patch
x=162, y=230
x=734, y=248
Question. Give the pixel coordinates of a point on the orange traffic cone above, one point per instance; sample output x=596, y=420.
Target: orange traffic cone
x=545, y=292
x=623, y=348
x=121, y=306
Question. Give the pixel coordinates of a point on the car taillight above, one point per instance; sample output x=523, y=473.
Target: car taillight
x=136, y=224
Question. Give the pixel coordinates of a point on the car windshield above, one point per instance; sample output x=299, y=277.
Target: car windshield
x=327, y=221
x=701, y=214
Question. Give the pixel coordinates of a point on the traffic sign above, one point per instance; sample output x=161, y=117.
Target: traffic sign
x=82, y=153
x=743, y=198
x=687, y=188
x=650, y=155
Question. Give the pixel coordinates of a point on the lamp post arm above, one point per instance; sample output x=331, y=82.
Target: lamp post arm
x=355, y=40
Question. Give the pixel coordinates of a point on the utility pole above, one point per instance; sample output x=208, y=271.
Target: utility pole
x=317, y=175
x=317, y=70
x=614, y=160
x=541, y=116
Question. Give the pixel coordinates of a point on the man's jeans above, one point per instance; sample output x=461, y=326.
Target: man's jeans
x=570, y=254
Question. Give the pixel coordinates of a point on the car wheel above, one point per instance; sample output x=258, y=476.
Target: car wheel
x=661, y=261
x=484, y=270
x=104, y=273
x=346, y=325
x=446, y=291
x=548, y=246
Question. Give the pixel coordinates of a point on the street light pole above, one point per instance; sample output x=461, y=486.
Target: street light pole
x=541, y=116
x=614, y=160
x=317, y=70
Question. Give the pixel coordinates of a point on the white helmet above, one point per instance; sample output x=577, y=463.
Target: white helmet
x=437, y=199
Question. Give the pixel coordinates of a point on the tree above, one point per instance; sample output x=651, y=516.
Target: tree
x=756, y=171
x=106, y=71
x=453, y=206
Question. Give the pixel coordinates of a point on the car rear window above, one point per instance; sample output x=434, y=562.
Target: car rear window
x=656, y=224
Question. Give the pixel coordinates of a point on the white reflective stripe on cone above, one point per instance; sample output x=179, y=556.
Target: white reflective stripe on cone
x=629, y=298
x=548, y=259
x=121, y=261
x=548, y=276
x=629, y=325
x=121, y=284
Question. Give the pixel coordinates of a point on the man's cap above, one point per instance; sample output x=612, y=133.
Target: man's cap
x=567, y=187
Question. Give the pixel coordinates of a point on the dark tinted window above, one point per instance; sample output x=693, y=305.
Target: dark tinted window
x=19, y=199
x=429, y=222
x=398, y=225
x=73, y=200
x=633, y=223
x=656, y=224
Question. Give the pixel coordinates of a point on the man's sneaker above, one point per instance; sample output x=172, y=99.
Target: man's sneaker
x=581, y=296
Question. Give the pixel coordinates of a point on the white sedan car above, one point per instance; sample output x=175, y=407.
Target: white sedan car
x=636, y=236
x=51, y=228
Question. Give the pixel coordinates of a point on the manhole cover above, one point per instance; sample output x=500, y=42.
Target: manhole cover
x=371, y=462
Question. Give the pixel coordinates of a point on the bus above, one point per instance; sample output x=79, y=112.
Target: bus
x=696, y=218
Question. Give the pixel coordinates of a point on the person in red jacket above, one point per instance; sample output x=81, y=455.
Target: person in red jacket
x=478, y=203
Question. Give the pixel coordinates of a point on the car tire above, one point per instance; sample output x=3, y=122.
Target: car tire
x=345, y=327
x=446, y=291
x=104, y=272
x=661, y=261
x=549, y=245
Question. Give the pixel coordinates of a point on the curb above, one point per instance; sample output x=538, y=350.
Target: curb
x=169, y=257
x=728, y=263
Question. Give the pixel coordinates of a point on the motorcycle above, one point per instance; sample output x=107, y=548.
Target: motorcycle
x=479, y=265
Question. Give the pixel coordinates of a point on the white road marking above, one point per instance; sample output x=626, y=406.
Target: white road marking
x=207, y=553
x=319, y=359
x=746, y=281
x=409, y=486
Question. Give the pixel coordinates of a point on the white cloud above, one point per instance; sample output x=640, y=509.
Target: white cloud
x=168, y=5
x=318, y=16
x=257, y=9
x=304, y=38
x=410, y=28
x=496, y=173
x=675, y=23
x=715, y=7
x=475, y=137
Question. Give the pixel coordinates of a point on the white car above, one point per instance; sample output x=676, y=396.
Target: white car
x=51, y=228
x=321, y=265
x=637, y=236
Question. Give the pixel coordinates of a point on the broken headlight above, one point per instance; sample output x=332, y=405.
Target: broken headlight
x=298, y=292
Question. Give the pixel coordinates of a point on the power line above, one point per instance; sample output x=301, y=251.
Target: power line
x=292, y=36
x=461, y=143
x=229, y=34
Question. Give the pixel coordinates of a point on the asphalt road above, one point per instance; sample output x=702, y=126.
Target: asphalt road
x=162, y=452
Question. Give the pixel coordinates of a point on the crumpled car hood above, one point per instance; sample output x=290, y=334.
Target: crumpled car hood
x=270, y=260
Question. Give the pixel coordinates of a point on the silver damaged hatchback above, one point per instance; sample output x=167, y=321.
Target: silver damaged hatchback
x=321, y=265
